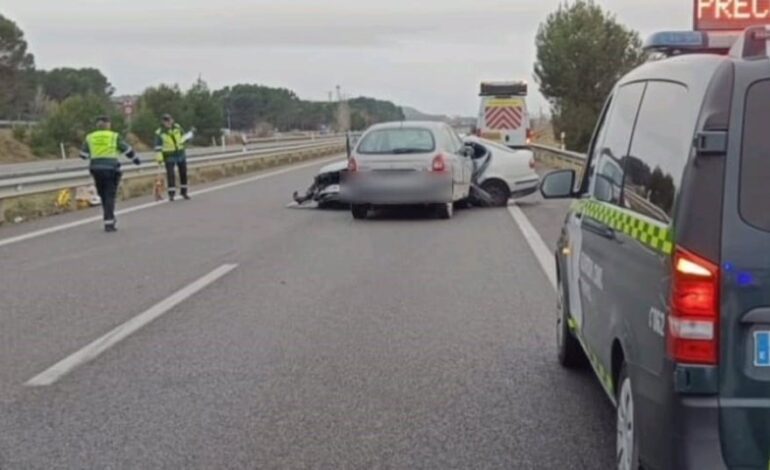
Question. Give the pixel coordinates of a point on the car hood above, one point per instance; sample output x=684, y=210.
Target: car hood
x=334, y=167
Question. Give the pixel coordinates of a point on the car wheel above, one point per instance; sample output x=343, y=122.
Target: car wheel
x=627, y=454
x=498, y=192
x=445, y=211
x=359, y=211
x=570, y=352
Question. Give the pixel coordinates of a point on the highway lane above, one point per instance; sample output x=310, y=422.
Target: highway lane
x=399, y=342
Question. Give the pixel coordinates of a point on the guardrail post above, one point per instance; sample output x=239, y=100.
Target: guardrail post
x=63, y=151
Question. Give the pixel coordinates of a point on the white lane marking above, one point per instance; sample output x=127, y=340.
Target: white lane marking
x=96, y=348
x=78, y=223
x=536, y=243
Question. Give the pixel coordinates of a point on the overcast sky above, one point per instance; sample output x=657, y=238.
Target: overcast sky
x=430, y=54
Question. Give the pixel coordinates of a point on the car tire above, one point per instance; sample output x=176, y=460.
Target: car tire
x=445, y=211
x=498, y=191
x=627, y=446
x=570, y=353
x=359, y=211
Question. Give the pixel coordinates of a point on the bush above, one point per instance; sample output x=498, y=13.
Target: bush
x=71, y=121
x=19, y=133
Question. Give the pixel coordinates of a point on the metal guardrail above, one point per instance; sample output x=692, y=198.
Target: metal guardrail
x=292, y=137
x=53, y=181
x=564, y=159
x=11, y=124
x=558, y=157
x=14, y=171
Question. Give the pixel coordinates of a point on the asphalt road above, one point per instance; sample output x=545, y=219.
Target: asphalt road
x=400, y=342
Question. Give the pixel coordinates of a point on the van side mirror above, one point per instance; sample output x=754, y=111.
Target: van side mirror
x=467, y=151
x=558, y=184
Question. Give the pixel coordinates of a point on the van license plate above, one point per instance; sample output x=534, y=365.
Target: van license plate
x=762, y=349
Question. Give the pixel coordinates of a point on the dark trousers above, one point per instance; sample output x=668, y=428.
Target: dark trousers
x=171, y=176
x=106, y=182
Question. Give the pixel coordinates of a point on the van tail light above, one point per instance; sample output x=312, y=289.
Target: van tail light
x=439, y=164
x=532, y=163
x=693, y=325
x=352, y=165
x=530, y=135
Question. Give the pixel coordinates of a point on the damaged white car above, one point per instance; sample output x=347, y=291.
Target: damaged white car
x=325, y=190
x=500, y=173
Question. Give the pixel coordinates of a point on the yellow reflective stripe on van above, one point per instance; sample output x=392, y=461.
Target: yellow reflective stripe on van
x=655, y=236
x=604, y=376
x=504, y=102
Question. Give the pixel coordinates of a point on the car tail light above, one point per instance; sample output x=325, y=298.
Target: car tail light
x=532, y=163
x=693, y=325
x=352, y=165
x=439, y=164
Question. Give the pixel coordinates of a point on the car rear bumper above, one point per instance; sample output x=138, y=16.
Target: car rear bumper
x=416, y=188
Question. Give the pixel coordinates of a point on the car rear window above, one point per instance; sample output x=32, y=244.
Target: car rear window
x=755, y=163
x=397, y=141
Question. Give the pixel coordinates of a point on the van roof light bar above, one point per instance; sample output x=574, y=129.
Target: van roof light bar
x=672, y=43
x=516, y=88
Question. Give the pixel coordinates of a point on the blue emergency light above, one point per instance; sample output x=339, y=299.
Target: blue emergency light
x=672, y=43
x=681, y=39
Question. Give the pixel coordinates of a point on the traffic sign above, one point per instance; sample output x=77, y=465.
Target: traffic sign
x=730, y=15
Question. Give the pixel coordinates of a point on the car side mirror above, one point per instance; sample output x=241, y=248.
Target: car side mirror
x=558, y=184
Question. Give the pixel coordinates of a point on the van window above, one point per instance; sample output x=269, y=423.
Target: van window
x=660, y=150
x=608, y=181
x=755, y=163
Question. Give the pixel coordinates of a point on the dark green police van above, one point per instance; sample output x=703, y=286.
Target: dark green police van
x=664, y=259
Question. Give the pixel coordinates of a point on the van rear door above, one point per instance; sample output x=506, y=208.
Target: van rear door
x=504, y=120
x=744, y=362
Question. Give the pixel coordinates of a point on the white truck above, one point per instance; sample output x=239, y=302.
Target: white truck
x=503, y=117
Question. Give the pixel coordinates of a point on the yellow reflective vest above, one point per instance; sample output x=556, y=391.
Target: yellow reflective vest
x=170, y=143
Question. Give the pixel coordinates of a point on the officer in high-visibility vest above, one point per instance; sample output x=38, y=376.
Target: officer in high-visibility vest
x=103, y=147
x=170, y=145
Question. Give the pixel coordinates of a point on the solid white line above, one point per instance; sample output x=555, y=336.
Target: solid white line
x=95, y=349
x=536, y=243
x=78, y=223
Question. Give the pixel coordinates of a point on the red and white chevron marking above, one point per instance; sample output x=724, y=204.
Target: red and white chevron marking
x=504, y=117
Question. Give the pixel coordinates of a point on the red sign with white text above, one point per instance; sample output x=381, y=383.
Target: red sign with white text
x=730, y=15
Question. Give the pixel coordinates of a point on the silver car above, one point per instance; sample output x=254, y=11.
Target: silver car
x=408, y=163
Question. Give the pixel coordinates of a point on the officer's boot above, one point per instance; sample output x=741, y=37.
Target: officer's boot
x=110, y=226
